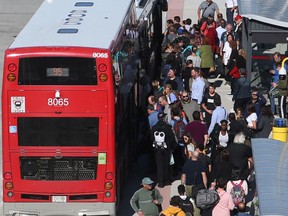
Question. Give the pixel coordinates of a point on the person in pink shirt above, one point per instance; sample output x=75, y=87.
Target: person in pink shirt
x=225, y=203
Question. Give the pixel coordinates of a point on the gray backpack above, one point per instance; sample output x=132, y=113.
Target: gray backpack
x=206, y=198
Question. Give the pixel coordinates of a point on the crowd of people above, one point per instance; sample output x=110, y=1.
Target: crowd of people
x=195, y=138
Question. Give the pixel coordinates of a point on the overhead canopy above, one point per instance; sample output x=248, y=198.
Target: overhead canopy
x=273, y=11
x=271, y=167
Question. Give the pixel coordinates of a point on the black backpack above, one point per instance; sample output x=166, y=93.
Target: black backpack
x=206, y=198
x=186, y=205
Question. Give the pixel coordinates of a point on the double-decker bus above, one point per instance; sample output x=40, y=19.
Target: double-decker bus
x=69, y=105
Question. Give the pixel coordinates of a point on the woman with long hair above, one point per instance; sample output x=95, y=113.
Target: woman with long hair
x=189, y=145
x=169, y=93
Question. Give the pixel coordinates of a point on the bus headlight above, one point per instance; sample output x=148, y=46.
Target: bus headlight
x=10, y=194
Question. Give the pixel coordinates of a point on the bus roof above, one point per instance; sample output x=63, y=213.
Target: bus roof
x=98, y=27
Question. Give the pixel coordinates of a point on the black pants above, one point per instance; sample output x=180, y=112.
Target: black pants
x=162, y=162
x=208, y=117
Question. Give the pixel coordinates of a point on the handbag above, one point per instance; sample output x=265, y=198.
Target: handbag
x=172, y=161
x=274, y=91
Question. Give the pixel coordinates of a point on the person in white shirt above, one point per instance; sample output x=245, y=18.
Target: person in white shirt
x=231, y=6
x=252, y=116
x=221, y=29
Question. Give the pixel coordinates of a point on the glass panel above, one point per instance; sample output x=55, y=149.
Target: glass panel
x=84, y=4
x=262, y=61
x=57, y=71
x=68, y=31
x=44, y=131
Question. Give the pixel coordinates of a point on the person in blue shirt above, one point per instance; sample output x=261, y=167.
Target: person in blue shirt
x=153, y=115
x=274, y=80
x=218, y=115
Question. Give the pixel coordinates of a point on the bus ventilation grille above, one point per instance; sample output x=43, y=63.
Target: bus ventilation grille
x=64, y=169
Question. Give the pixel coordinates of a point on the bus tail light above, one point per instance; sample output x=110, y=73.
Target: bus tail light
x=108, y=185
x=7, y=176
x=11, y=77
x=103, y=77
x=9, y=185
x=12, y=67
x=109, y=176
x=102, y=67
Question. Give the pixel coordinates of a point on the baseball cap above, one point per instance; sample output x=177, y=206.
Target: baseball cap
x=238, y=17
x=147, y=181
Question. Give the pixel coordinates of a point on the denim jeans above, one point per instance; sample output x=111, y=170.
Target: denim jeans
x=272, y=103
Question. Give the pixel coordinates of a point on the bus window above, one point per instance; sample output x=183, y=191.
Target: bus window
x=57, y=71
x=67, y=131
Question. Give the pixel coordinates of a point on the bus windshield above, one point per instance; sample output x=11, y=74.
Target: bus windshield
x=67, y=131
x=57, y=71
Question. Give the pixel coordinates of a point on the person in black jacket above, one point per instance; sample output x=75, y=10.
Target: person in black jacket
x=163, y=142
x=241, y=93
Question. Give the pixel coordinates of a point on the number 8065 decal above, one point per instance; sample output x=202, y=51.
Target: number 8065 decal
x=58, y=102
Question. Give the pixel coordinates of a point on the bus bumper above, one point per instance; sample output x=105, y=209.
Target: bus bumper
x=57, y=209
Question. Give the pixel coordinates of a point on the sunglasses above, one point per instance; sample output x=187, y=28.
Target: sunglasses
x=185, y=96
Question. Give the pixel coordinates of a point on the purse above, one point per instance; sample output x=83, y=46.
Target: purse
x=172, y=161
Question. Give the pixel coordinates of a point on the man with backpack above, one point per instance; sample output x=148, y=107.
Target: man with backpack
x=225, y=204
x=185, y=202
x=174, y=208
x=178, y=125
x=194, y=177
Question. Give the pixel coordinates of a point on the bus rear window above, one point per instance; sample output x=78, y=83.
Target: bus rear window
x=44, y=131
x=57, y=71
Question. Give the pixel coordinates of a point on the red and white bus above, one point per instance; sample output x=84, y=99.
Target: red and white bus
x=68, y=107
